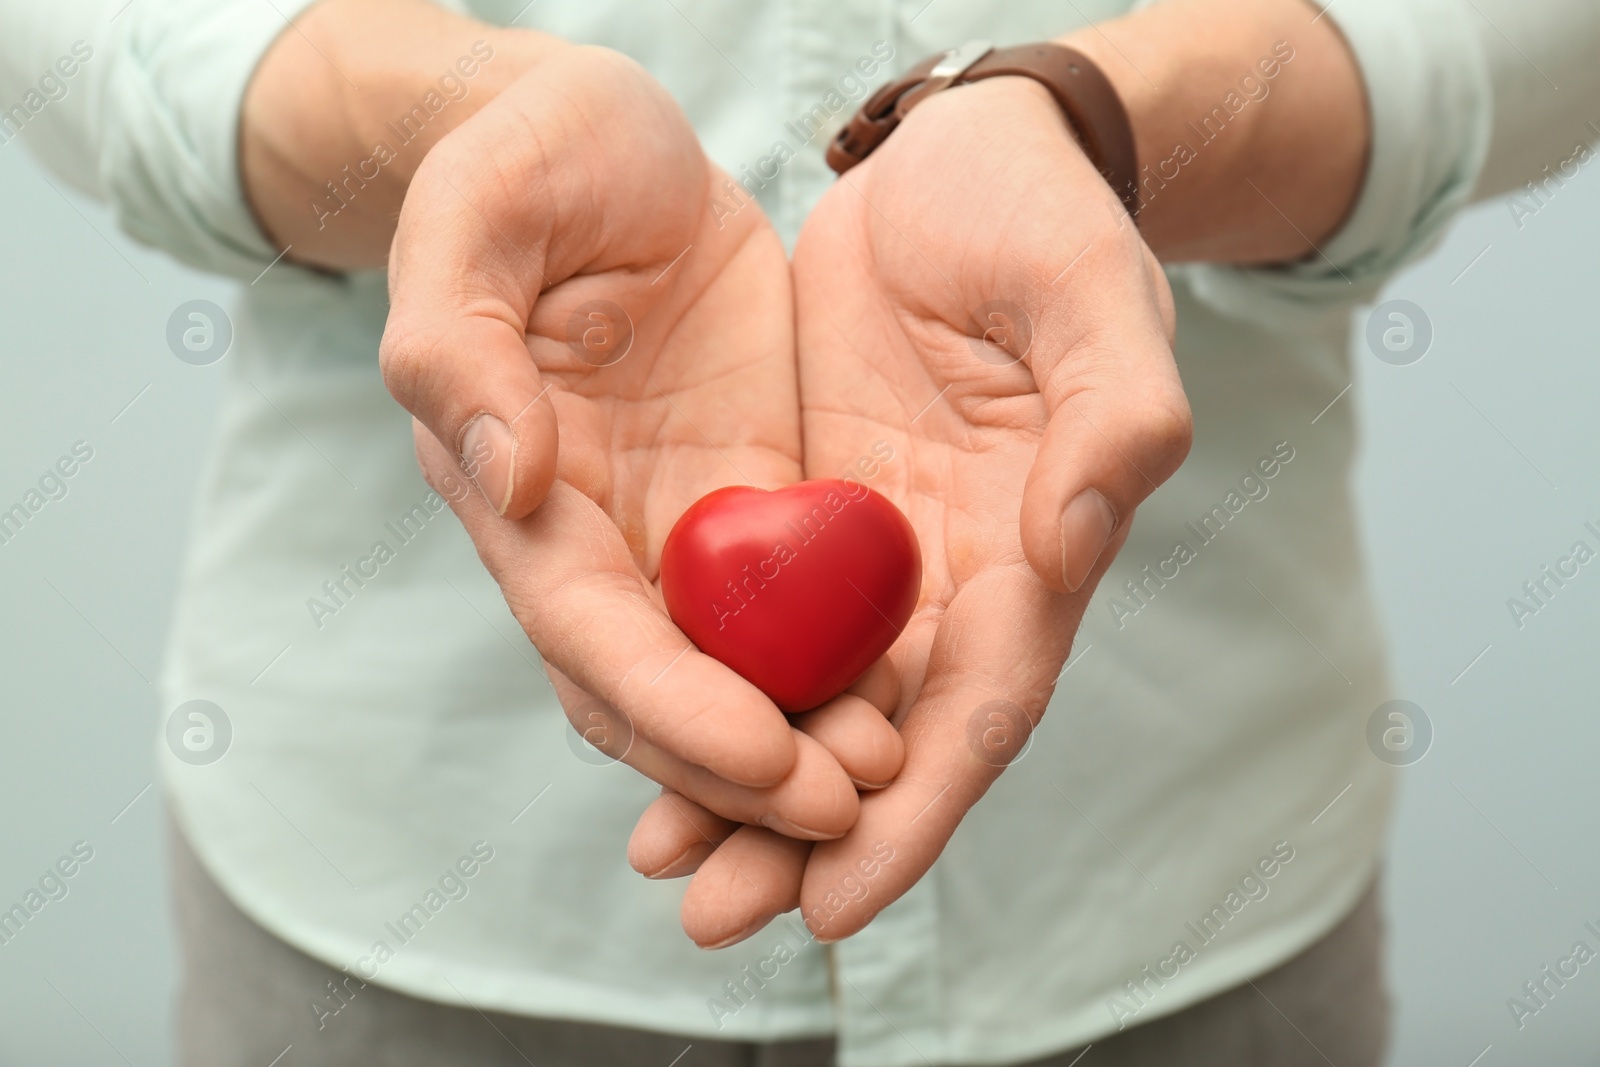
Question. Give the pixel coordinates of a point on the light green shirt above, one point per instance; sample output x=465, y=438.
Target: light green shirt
x=402, y=796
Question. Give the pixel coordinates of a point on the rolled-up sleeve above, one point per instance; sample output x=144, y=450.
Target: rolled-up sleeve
x=1431, y=100
x=1544, y=63
x=150, y=122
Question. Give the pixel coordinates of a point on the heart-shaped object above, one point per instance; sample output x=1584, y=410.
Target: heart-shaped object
x=800, y=589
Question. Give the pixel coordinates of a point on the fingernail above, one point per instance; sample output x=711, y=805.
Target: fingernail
x=1086, y=526
x=679, y=865
x=488, y=456
x=741, y=935
x=789, y=829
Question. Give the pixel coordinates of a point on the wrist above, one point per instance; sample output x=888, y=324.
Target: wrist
x=1228, y=102
x=345, y=105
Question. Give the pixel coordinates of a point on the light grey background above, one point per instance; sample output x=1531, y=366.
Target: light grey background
x=1480, y=465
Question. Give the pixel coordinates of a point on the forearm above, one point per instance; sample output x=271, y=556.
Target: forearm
x=1250, y=122
x=345, y=105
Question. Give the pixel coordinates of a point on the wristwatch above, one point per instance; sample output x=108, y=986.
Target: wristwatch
x=1092, y=108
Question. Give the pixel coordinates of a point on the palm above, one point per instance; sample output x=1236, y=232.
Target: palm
x=965, y=420
x=558, y=265
x=689, y=388
x=887, y=296
x=942, y=308
x=658, y=328
x=666, y=383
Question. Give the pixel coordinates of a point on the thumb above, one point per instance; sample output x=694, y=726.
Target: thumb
x=473, y=385
x=1119, y=426
x=454, y=350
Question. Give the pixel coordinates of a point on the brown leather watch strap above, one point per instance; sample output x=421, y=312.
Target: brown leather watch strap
x=1091, y=106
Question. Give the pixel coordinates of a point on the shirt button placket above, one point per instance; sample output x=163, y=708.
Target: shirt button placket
x=887, y=1000
x=826, y=39
x=887, y=997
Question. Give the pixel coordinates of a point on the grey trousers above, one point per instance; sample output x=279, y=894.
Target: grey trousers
x=244, y=1003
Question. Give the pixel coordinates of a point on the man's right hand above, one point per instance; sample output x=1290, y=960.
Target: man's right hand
x=577, y=328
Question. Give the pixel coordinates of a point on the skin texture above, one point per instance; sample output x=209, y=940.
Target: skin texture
x=888, y=272
x=483, y=290
x=884, y=269
x=323, y=96
x=973, y=294
x=493, y=244
x=1248, y=195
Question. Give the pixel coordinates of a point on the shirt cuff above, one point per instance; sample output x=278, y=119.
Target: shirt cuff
x=1429, y=97
x=170, y=126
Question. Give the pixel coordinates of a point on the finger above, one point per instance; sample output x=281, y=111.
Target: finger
x=571, y=582
x=1119, y=426
x=674, y=836
x=453, y=350
x=815, y=801
x=751, y=879
x=993, y=663
x=521, y=198
x=855, y=728
x=866, y=745
x=879, y=686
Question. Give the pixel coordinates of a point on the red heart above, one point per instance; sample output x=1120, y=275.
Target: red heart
x=800, y=590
